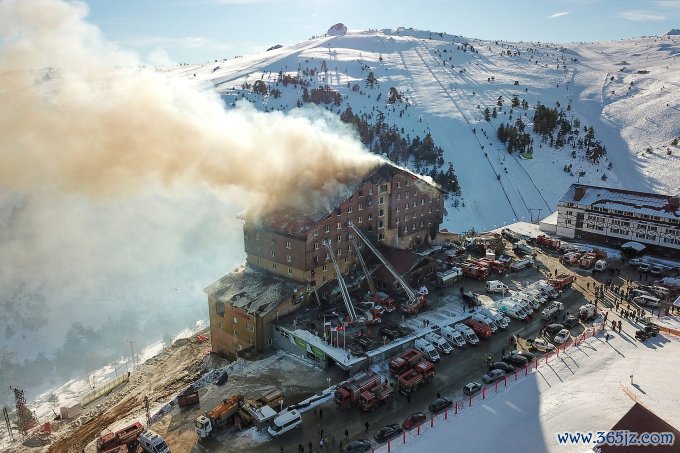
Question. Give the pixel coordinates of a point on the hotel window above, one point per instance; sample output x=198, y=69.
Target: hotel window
x=383, y=188
x=398, y=184
x=360, y=219
x=339, y=238
x=381, y=200
x=235, y=320
x=316, y=246
x=370, y=203
x=288, y=244
x=405, y=230
x=257, y=236
x=288, y=259
x=370, y=190
x=397, y=208
x=370, y=217
x=413, y=226
x=381, y=236
x=316, y=231
x=339, y=225
x=407, y=194
x=381, y=224
x=398, y=196
x=349, y=209
x=381, y=213
x=361, y=206
x=274, y=266
x=328, y=228
x=407, y=183
x=415, y=203
x=325, y=267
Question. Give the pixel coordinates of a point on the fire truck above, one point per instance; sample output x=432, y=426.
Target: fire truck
x=366, y=389
x=422, y=372
x=126, y=437
x=405, y=361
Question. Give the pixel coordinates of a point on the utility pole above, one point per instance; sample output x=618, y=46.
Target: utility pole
x=132, y=352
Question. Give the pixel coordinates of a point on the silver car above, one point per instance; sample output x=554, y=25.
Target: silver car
x=493, y=376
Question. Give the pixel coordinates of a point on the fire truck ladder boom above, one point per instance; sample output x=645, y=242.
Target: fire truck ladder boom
x=371, y=286
x=341, y=282
x=407, y=289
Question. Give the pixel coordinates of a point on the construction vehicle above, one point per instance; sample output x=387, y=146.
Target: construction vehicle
x=189, y=397
x=481, y=243
x=474, y=271
x=404, y=361
x=220, y=416
x=562, y=281
x=510, y=235
x=480, y=329
x=259, y=410
x=421, y=373
x=349, y=393
x=370, y=399
x=549, y=242
x=415, y=302
x=126, y=437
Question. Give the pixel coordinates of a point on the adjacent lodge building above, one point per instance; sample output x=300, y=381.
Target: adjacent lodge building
x=612, y=217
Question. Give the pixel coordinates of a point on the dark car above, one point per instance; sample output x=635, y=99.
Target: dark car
x=502, y=366
x=224, y=377
x=472, y=388
x=552, y=329
x=642, y=335
x=358, y=446
x=388, y=432
x=390, y=331
x=651, y=329
x=403, y=330
x=527, y=355
x=413, y=420
x=515, y=360
x=470, y=298
x=440, y=404
x=570, y=321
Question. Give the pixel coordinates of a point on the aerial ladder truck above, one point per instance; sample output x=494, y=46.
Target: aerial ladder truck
x=415, y=301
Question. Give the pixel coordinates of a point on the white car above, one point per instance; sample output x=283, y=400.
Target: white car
x=562, y=336
x=542, y=345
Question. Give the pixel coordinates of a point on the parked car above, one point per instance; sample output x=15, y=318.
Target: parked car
x=358, y=446
x=552, y=329
x=562, y=336
x=644, y=267
x=413, y=420
x=224, y=377
x=440, y=404
x=515, y=360
x=502, y=366
x=570, y=321
x=493, y=376
x=389, y=331
x=527, y=355
x=651, y=329
x=472, y=388
x=388, y=432
x=657, y=269
x=542, y=345
x=470, y=298
x=640, y=292
x=649, y=301
x=642, y=335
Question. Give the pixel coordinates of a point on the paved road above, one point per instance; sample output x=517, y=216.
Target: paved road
x=452, y=373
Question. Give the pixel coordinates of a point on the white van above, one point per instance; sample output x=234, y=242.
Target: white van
x=485, y=320
x=512, y=309
x=496, y=286
x=467, y=333
x=152, y=442
x=285, y=422
x=439, y=342
x=501, y=321
x=427, y=349
x=453, y=336
x=649, y=301
x=660, y=291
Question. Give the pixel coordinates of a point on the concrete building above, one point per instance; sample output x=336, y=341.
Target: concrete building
x=242, y=306
x=614, y=216
x=399, y=208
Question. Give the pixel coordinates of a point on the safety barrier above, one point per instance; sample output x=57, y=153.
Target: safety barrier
x=461, y=403
x=104, y=389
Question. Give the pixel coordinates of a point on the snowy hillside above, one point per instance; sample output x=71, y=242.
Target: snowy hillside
x=626, y=91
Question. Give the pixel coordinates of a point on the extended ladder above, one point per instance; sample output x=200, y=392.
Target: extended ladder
x=371, y=286
x=407, y=289
x=341, y=282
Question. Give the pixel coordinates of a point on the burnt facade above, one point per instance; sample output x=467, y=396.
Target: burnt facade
x=400, y=209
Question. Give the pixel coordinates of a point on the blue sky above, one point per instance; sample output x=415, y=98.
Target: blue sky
x=195, y=31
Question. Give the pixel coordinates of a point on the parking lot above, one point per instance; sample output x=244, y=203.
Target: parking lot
x=452, y=372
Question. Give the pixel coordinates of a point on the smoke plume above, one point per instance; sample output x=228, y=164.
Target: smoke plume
x=82, y=115
x=119, y=186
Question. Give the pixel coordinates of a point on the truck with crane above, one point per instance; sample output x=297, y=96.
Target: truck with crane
x=415, y=302
x=405, y=361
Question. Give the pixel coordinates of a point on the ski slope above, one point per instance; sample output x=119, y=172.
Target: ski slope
x=447, y=90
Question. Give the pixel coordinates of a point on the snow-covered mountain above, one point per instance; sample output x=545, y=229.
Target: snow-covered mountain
x=625, y=90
